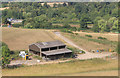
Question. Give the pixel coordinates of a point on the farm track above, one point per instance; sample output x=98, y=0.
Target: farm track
x=87, y=54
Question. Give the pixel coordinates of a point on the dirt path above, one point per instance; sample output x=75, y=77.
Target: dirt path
x=87, y=54
x=34, y=62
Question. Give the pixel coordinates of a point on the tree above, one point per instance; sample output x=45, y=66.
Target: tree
x=45, y=5
x=107, y=28
x=95, y=27
x=78, y=9
x=66, y=25
x=28, y=25
x=117, y=48
x=54, y=5
x=64, y=4
x=102, y=25
x=5, y=54
x=115, y=26
x=111, y=22
x=83, y=22
x=59, y=5
x=71, y=3
x=4, y=20
x=115, y=12
x=38, y=22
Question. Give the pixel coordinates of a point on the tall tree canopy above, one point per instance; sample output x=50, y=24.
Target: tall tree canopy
x=5, y=54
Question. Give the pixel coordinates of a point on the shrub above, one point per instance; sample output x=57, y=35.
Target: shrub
x=37, y=57
x=76, y=33
x=15, y=55
x=66, y=30
x=69, y=31
x=103, y=38
x=75, y=50
x=4, y=25
x=81, y=29
x=17, y=25
x=5, y=55
x=88, y=36
x=66, y=25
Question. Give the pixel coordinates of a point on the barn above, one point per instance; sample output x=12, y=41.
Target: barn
x=52, y=50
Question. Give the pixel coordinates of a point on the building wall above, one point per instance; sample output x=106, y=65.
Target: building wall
x=34, y=47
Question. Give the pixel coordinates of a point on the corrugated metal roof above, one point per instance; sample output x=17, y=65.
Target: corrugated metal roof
x=59, y=51
x=49, y=44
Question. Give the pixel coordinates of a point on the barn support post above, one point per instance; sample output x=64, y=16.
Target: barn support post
x=40, y=53
x=28, y=50
x=65, y=46
x=49, y=49
x=57, y=47
x=46, y=58
x=64, y=55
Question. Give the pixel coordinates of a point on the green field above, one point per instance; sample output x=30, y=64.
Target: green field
x=75, y=67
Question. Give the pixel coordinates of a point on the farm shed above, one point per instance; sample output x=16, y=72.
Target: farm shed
x=53, y=50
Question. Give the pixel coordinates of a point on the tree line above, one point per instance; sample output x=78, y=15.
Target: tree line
x=103, y=15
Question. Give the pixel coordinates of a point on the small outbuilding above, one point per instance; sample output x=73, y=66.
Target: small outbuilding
x=53, y=49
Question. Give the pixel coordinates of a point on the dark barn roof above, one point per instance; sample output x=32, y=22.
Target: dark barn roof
x=49, y=44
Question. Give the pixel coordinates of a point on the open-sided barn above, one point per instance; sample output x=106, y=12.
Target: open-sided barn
x=52, y=50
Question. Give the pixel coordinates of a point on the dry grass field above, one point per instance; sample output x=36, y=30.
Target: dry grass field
x=98, y=73
x=94, y=43
x=19, y=39
x=98, y=67
x=109, y=36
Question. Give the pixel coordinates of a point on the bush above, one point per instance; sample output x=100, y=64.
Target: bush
x=5, y=25
x=66, y=25
x=17, y=25
x=89, y=36
x=5, y=55
x=66, y=30
x=103, y=38
x=75, y=50
x=76, y=33
x=73, y=29
x=81, y=29
x=37, y=57
x=15, y=55
x=69, y=31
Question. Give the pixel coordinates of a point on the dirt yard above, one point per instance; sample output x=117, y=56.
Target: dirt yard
x=19, y=39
